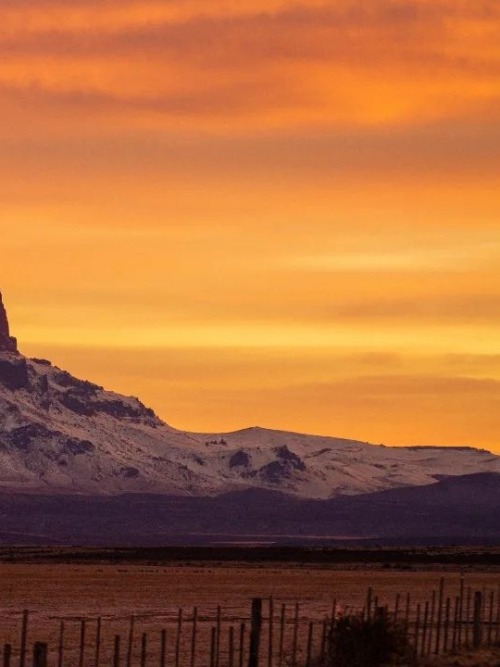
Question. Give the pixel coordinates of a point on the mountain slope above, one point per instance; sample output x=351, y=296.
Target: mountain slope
x=63, y=434
x=59, y=434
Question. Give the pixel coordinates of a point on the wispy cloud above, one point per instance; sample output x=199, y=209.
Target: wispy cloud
x=345, y=64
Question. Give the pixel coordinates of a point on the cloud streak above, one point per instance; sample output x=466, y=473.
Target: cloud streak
x=347, y=64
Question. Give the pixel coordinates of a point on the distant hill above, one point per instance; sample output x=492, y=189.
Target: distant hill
x=461, y=510
x=78, y=462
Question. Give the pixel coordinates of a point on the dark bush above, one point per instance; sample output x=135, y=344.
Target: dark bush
x=355, y=641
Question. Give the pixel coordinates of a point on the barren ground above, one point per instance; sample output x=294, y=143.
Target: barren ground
x=153, y=594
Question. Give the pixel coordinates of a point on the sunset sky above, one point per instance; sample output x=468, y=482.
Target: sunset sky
x=272, y=212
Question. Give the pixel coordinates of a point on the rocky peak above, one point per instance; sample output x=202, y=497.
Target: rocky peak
x=7, y=342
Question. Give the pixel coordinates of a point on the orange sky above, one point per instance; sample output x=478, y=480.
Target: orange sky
x=282, y=213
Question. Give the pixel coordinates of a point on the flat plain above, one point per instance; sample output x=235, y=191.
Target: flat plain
x=153, y=595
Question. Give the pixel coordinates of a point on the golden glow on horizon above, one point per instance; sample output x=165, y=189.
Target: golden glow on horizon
x=282, y=212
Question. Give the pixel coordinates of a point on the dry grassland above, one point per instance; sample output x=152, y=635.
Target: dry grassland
x=154, y=594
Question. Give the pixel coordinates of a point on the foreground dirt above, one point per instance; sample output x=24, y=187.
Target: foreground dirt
x=485, y=658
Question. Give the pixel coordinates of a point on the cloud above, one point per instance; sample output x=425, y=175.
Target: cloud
x=349, y=64
x=425, y=385
x=225, y=100
x=345, y=33
x=468, y=309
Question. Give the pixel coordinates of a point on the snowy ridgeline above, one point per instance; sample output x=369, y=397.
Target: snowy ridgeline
x=58, y=433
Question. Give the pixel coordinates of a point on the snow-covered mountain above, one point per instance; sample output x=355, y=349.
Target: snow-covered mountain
x=60, y=434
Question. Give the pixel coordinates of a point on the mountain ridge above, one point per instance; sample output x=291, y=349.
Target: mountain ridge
x=60, y=434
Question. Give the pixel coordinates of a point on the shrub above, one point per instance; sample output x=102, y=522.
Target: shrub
x=355, y=641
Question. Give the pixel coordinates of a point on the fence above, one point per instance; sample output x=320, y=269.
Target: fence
x=271, y=634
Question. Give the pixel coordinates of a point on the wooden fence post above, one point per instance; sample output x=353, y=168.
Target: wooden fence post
x=497, y=633
x=130, y=641
x=477, y=630
x=24, y=634
x=230, y=651
x=282, y=635
x=144, y=649
x=334, y=614
x=213, y=640
x=40, y=655
x=163, y=648
x=193, y=636
x=60, y=647
x=396, y=607
x=323, y=639
x=295, y=635
x=490, y=618
x=242, y=645
x=417, y=631
x=455, y=625
x=369, y=595
x=446, y=625
x=424, y=628
x=97, y=655
x=439, y=615
x=253, y=658
x=407, y=614
x=81, y=656
x=271, y=628
x=7, y=654
x=467, y=617
x=460, y=612
x=218, y=632
x=309, y=644
x=179, y=638
x=116, y=652
x=431, y=623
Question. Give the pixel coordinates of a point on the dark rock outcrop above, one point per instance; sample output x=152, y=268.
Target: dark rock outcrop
x=286, y=456
x=27, y=437
x=14, y=372
x=7, y=342
x=239, y=458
